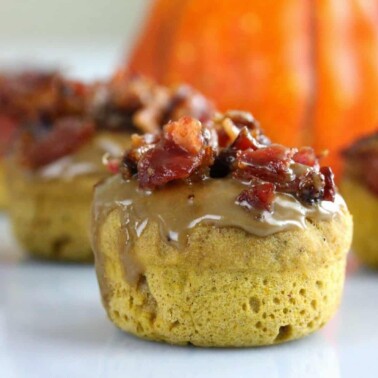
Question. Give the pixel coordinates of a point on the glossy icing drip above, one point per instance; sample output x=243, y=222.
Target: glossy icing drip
x=88, y=159
x=179, y=207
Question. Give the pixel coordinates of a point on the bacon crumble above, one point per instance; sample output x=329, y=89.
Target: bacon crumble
x=36, y=103
x=362, y=161
x=180, y=151
x=184, y=138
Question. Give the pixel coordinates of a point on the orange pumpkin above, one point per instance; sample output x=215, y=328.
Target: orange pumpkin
x=308, y=70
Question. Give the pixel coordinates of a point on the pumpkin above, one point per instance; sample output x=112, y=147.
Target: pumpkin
x=308, y=70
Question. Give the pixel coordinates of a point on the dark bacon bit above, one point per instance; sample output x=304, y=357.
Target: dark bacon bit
x=129, y=102
x=226, y=158
x=306, y=156
x=8, y=128
x=38, y=96
x=270, y=163
x=178, y=154
x=230, y=124
x=311, y=188
x=186, y=101
x=140, y=145
x=329, y=187
x=258, y=196
x=188, y=150
x=67, y=135
x=187, y=134
x=133, y=102
x=245, y=141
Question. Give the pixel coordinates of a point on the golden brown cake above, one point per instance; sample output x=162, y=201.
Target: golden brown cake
x=212, y=236
x=22, y=96
x=360, y=189
x=57, y=158
x=50, y=207
x=3, y=193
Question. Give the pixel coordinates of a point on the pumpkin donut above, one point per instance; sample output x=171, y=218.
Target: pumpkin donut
x=360, y=188
x=19, y=94
x=211, y=235
x=57, y=161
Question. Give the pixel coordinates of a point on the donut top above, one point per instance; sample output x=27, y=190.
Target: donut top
x=223, y=173
x=59, y=117
x=230, y=146
x=362, y=161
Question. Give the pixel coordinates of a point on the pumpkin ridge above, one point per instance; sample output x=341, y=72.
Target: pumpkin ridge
x=308, y=123
x=178, y=10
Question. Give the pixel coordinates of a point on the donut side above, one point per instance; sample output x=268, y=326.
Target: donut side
x=50, y=219
x=226, y=287
x=363, y=204
x=3, y=192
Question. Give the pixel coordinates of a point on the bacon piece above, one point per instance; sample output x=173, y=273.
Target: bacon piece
x=180, y=152
x=245, y=141
x=8, y=128
x=189, y=150
x=258, y=196
x=187, y=133
x=270, y=163
x=165, y=163
x=306, y=156
x=229, y=124
x=329, y=184
x=133, y=101
x=187, y=101
x=66, y=136
x=311, y=187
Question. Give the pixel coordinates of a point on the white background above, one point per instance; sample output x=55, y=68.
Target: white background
x=95, y=34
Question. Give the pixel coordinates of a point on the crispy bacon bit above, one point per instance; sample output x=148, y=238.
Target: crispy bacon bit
x=130, y=102
x=187, y=134
x=165, y=163
x=270, y=163
x=178, y=154
x=245, y=141
x=258, y=196
x=186, y=101
x=67, y=135
x=311, y=187
x=229, y=125
x=306, y=156
x=8, y=128
x=329, y=187
x=189, y=150
x=38, y=96
x=226, y=158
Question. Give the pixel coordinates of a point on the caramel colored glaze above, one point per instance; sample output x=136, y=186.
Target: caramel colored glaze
x=179, y=207
x=88, y=159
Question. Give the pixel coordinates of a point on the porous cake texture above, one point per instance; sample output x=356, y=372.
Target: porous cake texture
x=363, y=204
x=225, y=288
x=51, y=218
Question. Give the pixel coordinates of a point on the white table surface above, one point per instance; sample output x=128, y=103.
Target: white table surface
x=53, y=325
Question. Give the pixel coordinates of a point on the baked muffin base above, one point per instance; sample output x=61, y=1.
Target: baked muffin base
x=3, y=192
x=51, y=218
x=286, y=287
x=363, y=204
